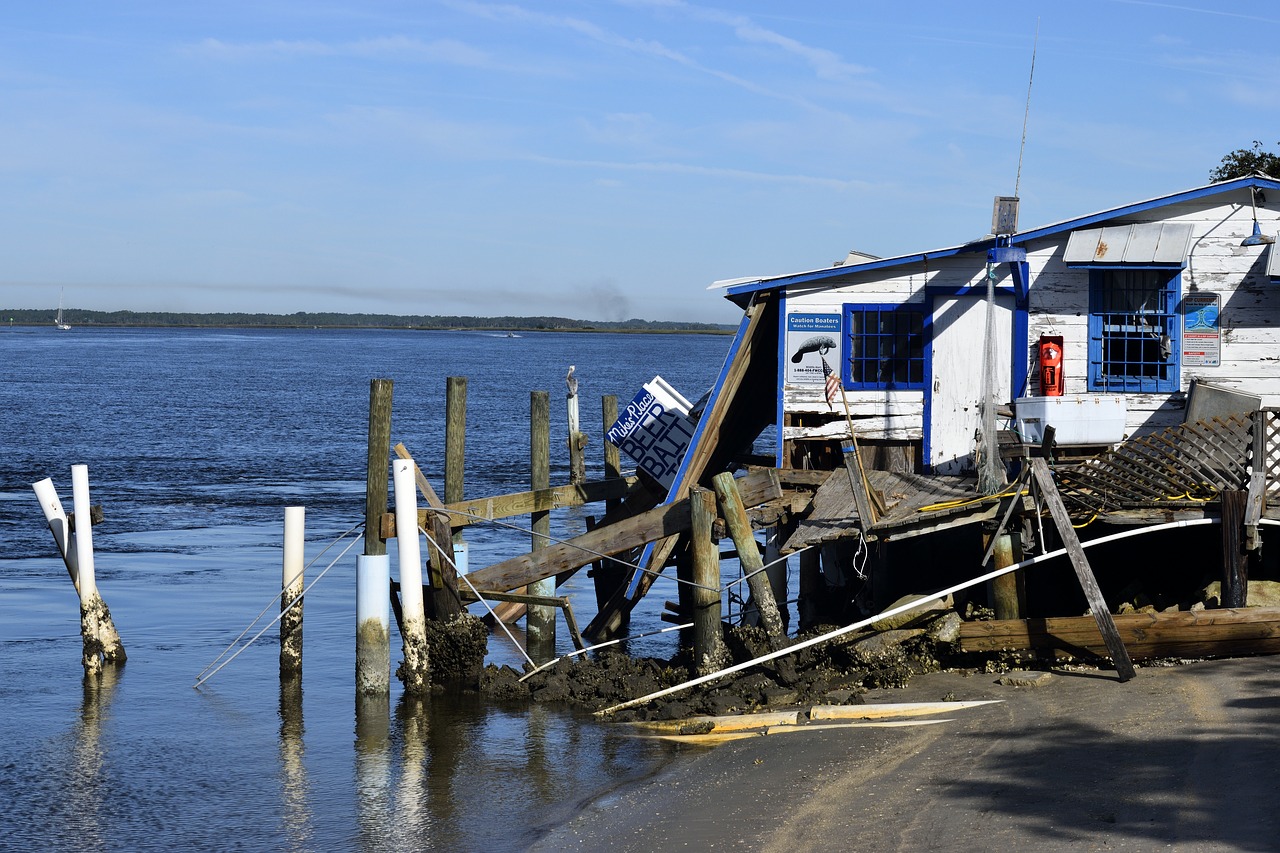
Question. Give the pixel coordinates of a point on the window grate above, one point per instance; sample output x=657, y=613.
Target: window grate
x=885, y=347
x=1134, y=330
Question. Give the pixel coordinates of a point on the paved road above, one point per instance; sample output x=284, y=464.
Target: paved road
x=1182, y=758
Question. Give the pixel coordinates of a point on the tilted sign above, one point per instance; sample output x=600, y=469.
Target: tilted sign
x=655, y=430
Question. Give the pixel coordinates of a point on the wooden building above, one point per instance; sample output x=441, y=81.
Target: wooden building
x=1148, y=298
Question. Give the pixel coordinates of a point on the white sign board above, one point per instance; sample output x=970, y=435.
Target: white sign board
x=1201, y=331
x=655, y=430
x=811, y=338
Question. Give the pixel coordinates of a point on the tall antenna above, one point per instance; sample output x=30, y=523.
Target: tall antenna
x=1017, y=183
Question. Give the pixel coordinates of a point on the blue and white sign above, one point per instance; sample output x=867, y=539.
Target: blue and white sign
x=655, y=430
x=810, y=338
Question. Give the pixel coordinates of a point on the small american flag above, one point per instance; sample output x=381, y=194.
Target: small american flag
x=832, y=383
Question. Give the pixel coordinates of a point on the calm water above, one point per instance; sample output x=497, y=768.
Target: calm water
x=195, y=442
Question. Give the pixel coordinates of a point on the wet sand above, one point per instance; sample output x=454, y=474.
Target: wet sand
x=1179, y=758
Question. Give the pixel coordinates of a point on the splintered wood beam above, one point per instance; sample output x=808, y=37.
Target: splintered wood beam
x=665, y=520
x=479, y=510
x=1097, y=604
x=1245, y=631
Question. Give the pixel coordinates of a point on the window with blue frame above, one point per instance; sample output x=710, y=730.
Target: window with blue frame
x=884, y=347
x=1135, y=332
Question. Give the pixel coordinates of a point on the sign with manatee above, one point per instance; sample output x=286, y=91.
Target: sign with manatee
x=811, y=338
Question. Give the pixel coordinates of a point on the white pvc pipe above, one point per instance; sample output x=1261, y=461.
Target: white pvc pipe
x=373, y=624
x=84, y=532
x=407, y=541
x=373, y=579
x=295, y=530
x=51, y=505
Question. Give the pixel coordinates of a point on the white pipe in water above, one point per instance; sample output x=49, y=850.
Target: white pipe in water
x=373, y=624
x=407, y=540
x=84, y=532
x=51, y=504
x=416, y=671
x=291, y=583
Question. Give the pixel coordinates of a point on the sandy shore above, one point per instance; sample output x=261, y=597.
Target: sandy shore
x=1179, y=758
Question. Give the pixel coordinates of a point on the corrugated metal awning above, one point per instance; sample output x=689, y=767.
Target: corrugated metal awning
x=1164, y=243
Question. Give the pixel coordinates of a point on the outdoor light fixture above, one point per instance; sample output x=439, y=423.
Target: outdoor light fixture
x=1257, y=238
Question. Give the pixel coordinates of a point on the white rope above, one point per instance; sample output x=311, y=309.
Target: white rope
x=286, y=609
x=463, y=575
x=893, y=611
x=277, y=598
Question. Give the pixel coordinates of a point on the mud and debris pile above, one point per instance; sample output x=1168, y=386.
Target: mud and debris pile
x=835, y=673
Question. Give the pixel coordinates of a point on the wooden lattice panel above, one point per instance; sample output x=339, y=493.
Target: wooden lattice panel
x=1271, y=450
x=1189, y=463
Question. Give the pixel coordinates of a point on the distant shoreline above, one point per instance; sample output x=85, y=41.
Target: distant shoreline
x=302, y=321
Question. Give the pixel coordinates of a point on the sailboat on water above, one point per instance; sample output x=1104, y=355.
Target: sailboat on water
x=58, y=321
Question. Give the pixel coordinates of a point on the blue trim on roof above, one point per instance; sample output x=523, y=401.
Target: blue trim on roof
x=831, y=275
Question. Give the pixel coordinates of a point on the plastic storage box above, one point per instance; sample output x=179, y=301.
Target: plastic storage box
x=1075, y=418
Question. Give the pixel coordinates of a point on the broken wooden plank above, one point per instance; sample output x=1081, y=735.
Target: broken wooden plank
x=1194, y=633
x=1097, y=604
x=665, y=520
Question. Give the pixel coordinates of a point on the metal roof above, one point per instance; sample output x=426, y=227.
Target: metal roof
x=1143, y=243
x=740, y=289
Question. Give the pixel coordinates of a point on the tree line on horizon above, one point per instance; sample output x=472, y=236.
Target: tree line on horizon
x=307, y=319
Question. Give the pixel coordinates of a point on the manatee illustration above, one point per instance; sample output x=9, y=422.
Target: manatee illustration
x=821, y=344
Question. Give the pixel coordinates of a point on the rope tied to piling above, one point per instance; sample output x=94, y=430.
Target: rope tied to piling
x=202, y=678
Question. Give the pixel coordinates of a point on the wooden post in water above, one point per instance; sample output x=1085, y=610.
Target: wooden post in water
x=709, y=652
x=455, y=446
x=375, y=500
x=540, y=624
x=577, y=439
x=415, y=670
x=91, y=606
x=609, y=575
x=1235, y=565
x=60, y=527
x=291, y=583
x=739, y=526
x=373, y=569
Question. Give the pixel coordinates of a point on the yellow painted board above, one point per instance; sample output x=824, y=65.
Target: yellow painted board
x=891, y=709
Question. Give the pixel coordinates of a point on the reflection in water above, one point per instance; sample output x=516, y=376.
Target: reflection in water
x=86, y=785
x=412, y=822
x=293, y=771
x=373, y=768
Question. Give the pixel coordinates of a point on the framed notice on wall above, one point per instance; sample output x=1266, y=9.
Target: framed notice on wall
x=1201, y=331
x=810, y=339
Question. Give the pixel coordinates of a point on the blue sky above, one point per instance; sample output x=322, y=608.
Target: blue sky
x=600, y=160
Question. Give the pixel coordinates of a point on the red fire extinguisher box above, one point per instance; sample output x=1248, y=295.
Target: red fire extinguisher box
x=1051, y=379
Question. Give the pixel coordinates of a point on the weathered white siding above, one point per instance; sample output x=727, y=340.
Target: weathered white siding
x=1059, y=305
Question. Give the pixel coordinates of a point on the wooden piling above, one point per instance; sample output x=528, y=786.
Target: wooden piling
x=414, y=672
x=455, y=441
x=577, y=439
x=291, y=585
x=609, y=575
x=1006, y=590
x=709, y=652
x=739, y=527
x=540, y=624
x=375, y=501
x=1235, y=565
